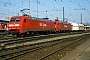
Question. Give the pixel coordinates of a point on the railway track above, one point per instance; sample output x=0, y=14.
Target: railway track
x=56, y=51
x=27, y=50
x=15, y=42
x=4, y=36
x=19, y=51
x=62, y=51
x=10, y=40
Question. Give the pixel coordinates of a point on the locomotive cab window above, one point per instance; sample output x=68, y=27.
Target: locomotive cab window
x=24, y=20
x=15, y=20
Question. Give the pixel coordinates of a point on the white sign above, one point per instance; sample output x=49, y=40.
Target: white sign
x=43, y=24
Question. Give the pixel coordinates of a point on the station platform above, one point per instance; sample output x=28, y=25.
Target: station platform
x=82, y=52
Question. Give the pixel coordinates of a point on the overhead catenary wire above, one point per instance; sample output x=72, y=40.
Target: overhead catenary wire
x=78, y=4
x=13, y=9
x=22, y=3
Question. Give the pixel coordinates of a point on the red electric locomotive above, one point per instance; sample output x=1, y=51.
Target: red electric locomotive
x=25, y=24
x=62, y=26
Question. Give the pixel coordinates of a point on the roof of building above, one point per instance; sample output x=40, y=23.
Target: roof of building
x=4, y=21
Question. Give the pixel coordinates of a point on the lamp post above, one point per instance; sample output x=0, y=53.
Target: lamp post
x=81, y=18
x=37, y=8
x=63, y=14
x=29, y=7
x=5, y=4
x=80, y=14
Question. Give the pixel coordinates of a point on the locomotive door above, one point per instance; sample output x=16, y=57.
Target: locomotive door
x=25, y=25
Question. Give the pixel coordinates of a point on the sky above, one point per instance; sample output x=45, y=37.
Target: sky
x=48, y=8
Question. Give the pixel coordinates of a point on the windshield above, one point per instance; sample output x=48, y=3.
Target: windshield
x=15, y=20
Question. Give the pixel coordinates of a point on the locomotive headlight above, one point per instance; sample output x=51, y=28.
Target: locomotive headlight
x=17, y=28
x=10, y=25
x=16, y=24
x=55, y=26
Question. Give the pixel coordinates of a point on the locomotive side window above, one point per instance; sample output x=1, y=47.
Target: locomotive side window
x=24, y=20
x=15, y=20
x=54, y=22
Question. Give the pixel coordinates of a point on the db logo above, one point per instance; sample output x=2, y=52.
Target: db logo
x=42, y=24
x=65, y=25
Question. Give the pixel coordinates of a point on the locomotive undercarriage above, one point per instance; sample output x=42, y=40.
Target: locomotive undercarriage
x=13, y=32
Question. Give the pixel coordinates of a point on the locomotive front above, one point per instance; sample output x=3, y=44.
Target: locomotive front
x=14, y=25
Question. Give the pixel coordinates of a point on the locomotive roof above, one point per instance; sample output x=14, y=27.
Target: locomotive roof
x=43, y=19
x=65, y=22
x=35, y=18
